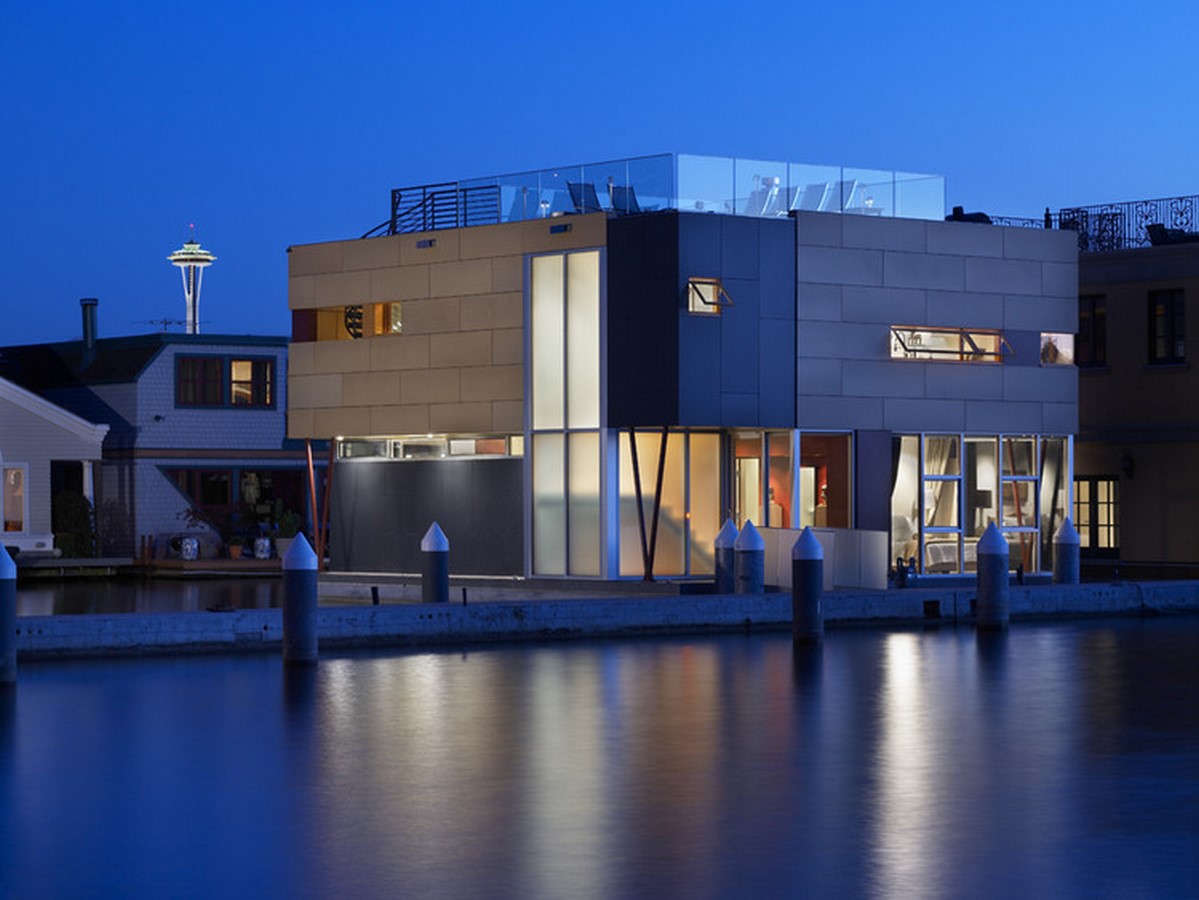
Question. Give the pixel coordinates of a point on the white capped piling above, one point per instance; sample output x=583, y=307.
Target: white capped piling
x=8, y=618
x=994, y=601
x=1067, y=550
x=726, y=542
x=749, y=561
x=299, y=603
x=807, y=588
x=435, y=578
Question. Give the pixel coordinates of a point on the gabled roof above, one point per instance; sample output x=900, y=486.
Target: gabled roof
x=52, y=413
x=120, y=360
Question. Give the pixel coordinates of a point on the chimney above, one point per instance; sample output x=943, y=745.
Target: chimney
x=87, y=306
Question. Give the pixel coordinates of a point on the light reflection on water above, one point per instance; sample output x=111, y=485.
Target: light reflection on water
x=146, y=595
x=1058, y=760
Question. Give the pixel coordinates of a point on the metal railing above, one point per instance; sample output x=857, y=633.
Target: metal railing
x=1120, y=226
x=1124, y=226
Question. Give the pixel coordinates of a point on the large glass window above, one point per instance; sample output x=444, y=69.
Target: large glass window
x=565, y=414
x=1167, y=327
x=688, y=517
x=825, y=491
x=947, y=489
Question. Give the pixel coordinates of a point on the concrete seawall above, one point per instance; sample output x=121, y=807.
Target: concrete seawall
x=413, y=624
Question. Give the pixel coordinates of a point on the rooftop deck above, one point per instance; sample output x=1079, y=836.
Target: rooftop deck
x=744, y=187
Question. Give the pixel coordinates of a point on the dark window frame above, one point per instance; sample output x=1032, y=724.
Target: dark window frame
x=205, y=381
x=195, y=385
x=1091, y=525
x=1167, y=327
x=1090, y=349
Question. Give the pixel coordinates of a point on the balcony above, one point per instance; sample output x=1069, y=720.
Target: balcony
x=705, y=184
x=1122, y=226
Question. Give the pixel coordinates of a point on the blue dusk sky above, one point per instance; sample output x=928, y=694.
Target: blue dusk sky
x=269, y=124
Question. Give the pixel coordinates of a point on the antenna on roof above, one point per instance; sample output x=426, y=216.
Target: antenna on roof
x=161, y=322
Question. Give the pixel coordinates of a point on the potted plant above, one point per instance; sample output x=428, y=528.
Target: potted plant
x=287, y=526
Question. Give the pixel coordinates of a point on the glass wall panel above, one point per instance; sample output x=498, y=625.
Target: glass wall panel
x=1019, y=504
x=652, y=179
x=942, y=554
x=583, y=340
x=982, y=486
x=1022, y=550
x=941, y=455
x=760, y=188
x=825, y=482
x=905, y=497
x=668, y=554
x=704, y=470
x=868, y=192
x=779, y=481
x=812, y=187
x=941, y=503
x=706, y=184
x=547, y=342
x=1019, y=456
x=1054, y=492
x=919, y=196
x=549, y=505
x=583, y=506
x=747, y=478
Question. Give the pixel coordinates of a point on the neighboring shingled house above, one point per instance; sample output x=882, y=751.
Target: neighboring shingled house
x=195, y=430
x=44, y=451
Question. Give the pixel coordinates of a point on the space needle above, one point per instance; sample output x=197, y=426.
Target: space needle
x=192, y=259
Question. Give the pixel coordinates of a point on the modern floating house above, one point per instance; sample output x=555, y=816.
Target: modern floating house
x=582, y=372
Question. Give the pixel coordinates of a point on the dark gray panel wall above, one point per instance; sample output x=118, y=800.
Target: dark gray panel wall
x=381, y=509
x=671, y=367
x=873, y=474
x=643, y=303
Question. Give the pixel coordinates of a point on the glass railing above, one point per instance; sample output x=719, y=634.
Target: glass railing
x=750, y=187
x=743, y=187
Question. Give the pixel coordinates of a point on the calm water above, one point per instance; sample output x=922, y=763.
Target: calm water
x=1060, y=760
x=145, y=595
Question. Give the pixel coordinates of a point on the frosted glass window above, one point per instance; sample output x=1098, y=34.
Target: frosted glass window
x=705, y=502
x=905, y=499
x=583, y=507
x=583, y=340
x=549, y=505
x=547, y=342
